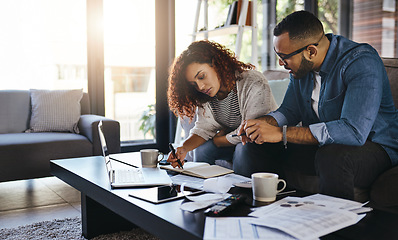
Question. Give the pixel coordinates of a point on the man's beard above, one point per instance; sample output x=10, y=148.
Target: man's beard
x=304, y=69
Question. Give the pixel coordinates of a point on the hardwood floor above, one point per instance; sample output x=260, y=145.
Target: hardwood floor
x=29, y=201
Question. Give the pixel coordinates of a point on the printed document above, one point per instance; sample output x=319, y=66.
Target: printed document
x=233, y=228
x=308, y=217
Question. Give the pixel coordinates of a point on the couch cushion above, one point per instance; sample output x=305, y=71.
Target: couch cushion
x=15, y=110
x=28, y=155
x=278, y=89
x=55, y=110
x=9, y=139
x=278, y=81
x=384, y=191
x=276, y=74
x=391, y=65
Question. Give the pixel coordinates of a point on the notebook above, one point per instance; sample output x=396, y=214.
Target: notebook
x=200, y=169
x=131, y=176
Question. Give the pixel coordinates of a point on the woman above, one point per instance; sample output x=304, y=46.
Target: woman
x=208, y=80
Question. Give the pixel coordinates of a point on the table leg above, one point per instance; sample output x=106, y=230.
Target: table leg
x=97, y=219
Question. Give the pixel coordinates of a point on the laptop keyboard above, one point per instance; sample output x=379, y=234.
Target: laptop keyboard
x=129, y=176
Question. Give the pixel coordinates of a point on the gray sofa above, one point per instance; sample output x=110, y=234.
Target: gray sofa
x=25, y=155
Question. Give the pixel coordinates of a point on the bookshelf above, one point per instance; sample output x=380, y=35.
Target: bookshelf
x=232, y=29
x=246, y=20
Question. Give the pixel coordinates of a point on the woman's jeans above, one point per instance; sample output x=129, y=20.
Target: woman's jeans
x=209, y=152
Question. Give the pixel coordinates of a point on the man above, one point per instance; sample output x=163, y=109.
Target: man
x=340, y=93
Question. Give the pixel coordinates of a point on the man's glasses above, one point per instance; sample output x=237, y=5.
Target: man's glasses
x=283, y=57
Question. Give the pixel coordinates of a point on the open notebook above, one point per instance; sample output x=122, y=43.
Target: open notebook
x=200, y=169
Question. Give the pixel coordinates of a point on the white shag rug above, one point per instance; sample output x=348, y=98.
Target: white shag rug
x=66, y=229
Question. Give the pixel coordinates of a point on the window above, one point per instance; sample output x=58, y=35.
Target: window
x=375, y=22
x=43, y=44
x=129, y=55
x=285, y=7
x=328, y=14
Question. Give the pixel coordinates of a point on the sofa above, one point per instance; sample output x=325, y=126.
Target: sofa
x=32, y=131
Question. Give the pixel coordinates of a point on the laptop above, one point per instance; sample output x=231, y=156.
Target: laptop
x=131, y=176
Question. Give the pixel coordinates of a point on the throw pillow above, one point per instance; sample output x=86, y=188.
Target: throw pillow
x=278, y=89
x=55, y=110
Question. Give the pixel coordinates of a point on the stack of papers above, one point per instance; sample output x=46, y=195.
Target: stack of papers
x=290, y=218
x=217, y=189
x=198, y=183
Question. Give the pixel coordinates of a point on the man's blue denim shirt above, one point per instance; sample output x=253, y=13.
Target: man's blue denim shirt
x=355, y=102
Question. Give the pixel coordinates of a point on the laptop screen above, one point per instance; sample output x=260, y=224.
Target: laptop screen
x=105, y=152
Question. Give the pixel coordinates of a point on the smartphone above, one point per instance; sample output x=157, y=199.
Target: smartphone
x=163, y=193
x=164, y=162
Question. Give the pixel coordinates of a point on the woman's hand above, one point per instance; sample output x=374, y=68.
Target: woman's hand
x=242, y=133
x=181, y=152
x=221, y=133
x=220, y=139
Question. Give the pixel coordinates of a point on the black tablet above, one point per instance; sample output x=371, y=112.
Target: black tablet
x=162, y=193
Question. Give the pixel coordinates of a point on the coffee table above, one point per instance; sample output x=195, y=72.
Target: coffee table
x=107, y=210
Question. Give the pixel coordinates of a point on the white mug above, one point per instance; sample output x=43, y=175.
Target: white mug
x=265, y=186
x=150, y=157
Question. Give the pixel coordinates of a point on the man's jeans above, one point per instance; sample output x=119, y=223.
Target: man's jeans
x=340, y=167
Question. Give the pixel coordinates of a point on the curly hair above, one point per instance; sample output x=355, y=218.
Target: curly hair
x=182, y=97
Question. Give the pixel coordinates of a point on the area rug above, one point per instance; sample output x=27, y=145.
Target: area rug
x=69, y=228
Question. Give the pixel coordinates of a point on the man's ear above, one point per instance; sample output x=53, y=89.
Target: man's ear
x=313, y=51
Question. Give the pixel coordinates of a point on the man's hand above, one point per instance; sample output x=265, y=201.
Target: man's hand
x=255, y=124
x=259, y=131
x=266, y=130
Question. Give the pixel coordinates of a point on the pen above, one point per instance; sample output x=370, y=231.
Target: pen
x=173, y=151
x=287, y=192
x=236, y=135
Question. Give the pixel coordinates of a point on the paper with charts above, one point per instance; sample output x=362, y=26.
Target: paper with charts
x=289, y=218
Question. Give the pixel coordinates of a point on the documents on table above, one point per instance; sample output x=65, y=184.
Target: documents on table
x=224, y=183
x=217, y=188
x=289, y=218
x=202, y=201
x=336, y=202
x=197, y=183
x=239, y=228
x=192, y=182
x=306, y=221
